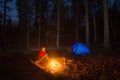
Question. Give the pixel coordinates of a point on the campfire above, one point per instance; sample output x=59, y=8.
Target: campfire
x=56, y=66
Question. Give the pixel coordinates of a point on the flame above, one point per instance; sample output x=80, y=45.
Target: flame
x=54, y=66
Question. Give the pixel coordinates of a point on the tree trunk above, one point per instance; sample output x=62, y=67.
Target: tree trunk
x=4, y=29
x=28, y=31
x=38, y=12
x=77, y=20
x=4, y=15
x=87, y=22
x=58, y=24
x=94, y=21
x=106, y=25
x=39, y=31
x=28, y=24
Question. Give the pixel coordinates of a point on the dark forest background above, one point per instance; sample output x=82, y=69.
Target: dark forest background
x=60, y=23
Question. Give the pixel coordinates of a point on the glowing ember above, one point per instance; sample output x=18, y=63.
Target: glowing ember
x=54, y=66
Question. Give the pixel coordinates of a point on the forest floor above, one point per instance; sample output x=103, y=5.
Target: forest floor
x=102, y=66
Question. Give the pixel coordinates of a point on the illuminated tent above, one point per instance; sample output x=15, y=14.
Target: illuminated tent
x=80, y=49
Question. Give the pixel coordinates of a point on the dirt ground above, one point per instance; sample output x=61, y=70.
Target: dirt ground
x=19, y=67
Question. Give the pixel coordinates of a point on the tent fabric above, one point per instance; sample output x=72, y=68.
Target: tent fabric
x=80, y=49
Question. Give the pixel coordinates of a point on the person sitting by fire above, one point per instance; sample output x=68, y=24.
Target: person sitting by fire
x=42, y=58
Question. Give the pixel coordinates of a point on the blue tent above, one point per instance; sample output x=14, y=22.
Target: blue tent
x=80, y=49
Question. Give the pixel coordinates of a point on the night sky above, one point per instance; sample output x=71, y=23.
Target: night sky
x=13, y=12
